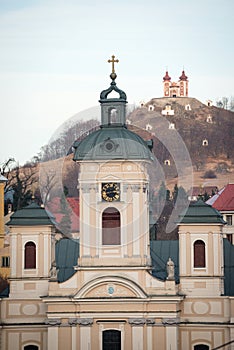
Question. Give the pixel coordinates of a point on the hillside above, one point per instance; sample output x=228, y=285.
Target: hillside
x=188, y=121
x=207, y=132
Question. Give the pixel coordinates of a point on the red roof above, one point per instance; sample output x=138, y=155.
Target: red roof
x=183, y=76
x=224, y=199
x=166, y=78
x=198, y=190
x=54, y=206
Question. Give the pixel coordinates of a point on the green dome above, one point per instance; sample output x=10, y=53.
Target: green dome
x=112, y=142
x=201, y=213
x=32, y=215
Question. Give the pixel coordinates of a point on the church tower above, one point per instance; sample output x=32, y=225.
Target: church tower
x=175, y=89
x=114, y=188
x=183, y=83
x=113, y=300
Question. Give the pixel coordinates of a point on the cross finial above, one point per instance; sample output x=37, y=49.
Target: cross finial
x=113, y=61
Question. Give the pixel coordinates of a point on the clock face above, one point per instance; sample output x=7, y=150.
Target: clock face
x=110, y=191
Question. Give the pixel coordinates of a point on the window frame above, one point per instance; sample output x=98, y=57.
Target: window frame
x=199, y=262
x=105, y=240
x=117, y=331
x=5, y=261
x=229, y=219
x=30, y=255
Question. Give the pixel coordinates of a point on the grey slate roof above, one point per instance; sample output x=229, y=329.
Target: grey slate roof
x=32, y=215
x=201, y=213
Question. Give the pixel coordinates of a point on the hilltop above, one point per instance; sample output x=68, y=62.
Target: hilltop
x=207, y=132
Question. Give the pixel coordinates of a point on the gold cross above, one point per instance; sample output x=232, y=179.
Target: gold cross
x=113, y=61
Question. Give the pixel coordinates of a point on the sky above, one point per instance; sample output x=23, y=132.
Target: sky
x=53, y=59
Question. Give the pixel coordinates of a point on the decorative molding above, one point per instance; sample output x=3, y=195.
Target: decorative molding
x=150, y=321
x=136, y=188
x=80, y=321
x=85, y=321
x=137, y=321
x=53, y=321
x=171, y=321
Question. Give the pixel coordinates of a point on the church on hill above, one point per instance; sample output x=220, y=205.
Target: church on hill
x=175, y=89
x=113, y=288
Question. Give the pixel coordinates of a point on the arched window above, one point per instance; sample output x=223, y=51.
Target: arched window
x=201, y=347
x=199, y=251
x=111, y=340
x=111, y=227
x=112, y=116
x=30, y=255
x=31, y=347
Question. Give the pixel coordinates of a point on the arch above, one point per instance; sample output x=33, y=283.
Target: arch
x=113, y=279
x=199, y=254
x=31, y=347
x=111, y=339
x=150, y=108
x=205, y=142
x=201, y=347
x=112, y=115
x=111, y=227
x=148, y=127
x=30, y=255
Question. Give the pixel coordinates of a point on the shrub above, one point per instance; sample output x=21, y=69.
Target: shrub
x=209, y=174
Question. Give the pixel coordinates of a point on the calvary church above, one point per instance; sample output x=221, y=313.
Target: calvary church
x=113, y=288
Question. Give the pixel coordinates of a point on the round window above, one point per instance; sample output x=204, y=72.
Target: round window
x=109, y=146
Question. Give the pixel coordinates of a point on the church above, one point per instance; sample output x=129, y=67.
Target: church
x=113, y=288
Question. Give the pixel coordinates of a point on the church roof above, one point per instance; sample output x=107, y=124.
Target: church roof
x=32, y=215
x=224, y=199
x=201, y=213
x=228, y=267
x=166, y=77
x=160, y=252
x=66, y=256
x=183, y=76
x=113, y=142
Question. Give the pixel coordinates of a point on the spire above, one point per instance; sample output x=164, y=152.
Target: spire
x=113, y=76
x=166, y=77
x=183, y=76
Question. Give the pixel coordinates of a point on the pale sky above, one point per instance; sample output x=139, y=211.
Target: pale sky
x=53, y=60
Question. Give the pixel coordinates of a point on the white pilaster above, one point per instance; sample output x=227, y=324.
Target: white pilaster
x=182, y=242
x=52, y=338
x=13, y=255
x=46, y=255
x=85, y=338
x=137, y=338
x=149, y=338
x=86, y=223
x=171, y=338
x=74, y=331
x=136, y=226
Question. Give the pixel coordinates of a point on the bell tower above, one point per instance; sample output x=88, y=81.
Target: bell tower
x=114, y=188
